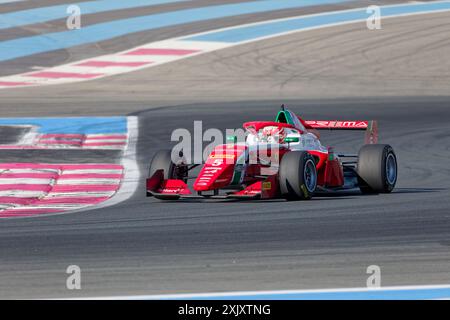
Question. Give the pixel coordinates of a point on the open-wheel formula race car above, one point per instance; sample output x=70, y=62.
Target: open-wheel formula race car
x=278, y=159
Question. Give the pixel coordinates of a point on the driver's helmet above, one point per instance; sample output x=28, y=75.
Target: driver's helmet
x=274, y=134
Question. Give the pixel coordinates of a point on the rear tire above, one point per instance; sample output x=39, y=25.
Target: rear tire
x=377, y=168
x=297, y=175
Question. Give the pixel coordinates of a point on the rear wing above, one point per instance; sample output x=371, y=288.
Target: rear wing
x=371, y=127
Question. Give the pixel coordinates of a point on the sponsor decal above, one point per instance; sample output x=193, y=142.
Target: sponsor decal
x=337, y=124
x=305, y=190
x=222, y=156
x=209, y=173
x=170, y=190
x=267, y=185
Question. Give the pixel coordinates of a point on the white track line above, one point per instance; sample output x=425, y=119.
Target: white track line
x=130, y=181
x=237, y=294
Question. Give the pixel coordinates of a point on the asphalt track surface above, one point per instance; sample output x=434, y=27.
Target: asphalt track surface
x=399, y=76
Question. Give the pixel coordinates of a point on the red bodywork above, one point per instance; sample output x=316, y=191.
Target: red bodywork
x=218, y=170
x=221, y=168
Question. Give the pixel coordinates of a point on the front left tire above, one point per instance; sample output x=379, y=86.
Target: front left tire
x=162, y=160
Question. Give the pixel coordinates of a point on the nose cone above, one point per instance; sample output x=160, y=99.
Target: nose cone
x=216, y=173
x=211, y=178
x=219, y=168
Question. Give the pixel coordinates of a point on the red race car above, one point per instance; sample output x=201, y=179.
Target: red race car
x=278, y=159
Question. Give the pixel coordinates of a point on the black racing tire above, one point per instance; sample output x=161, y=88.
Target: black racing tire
x=162, y=161
x=377, y=168
x=297, y=175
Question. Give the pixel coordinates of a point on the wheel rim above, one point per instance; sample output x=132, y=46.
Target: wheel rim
x=391, y=169
x=310, y=175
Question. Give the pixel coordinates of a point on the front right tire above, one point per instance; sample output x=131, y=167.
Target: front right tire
x=297, y=175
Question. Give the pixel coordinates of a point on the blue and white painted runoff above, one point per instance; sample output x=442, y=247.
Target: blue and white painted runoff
x=436, y=292
x=72, y=125
x=282, y=26
x=72, y=132
x=41, y=189
x=22, y=47
x=9, y=1
x=45, y=14
x=156, y=53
